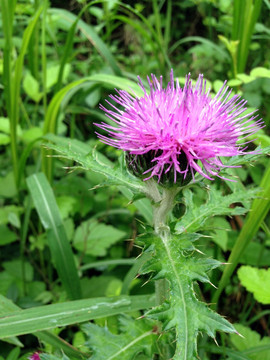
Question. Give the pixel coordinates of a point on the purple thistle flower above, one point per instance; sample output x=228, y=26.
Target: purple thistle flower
x=174, y=128
x=35, y=356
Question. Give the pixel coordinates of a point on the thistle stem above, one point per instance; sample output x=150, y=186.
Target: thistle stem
x=163, y=204
x=162, y=209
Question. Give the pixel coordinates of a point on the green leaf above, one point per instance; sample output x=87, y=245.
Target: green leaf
x=7, y=306
x=7, y=186
x=183, y=311
x=32, y=134
x=260, y=72
x=31, y=87
x=248, y=158
x=245, y=78
x=257, y=281
x=73, y=312
x=7, y=213
x=97, y=163
x=251, y=343
x=52, y=74
x=217, y=204
x=67, y=205
x=4, y=139
x=137, y=337
x=7, y=236
x=95, y=238
x=259, y=209
x=61, y=252
x=53, y=357
x=65, y=94
x=89, y=33
x=14, y=268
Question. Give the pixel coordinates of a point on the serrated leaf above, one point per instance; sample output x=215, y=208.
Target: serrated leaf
x=217, y=204
x=137, y=337
x=184, y=312
x=248, y=158
x=115, y=175
x=95, y=238
x=257, y=281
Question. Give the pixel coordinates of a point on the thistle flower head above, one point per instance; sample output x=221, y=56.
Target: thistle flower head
x=35, y=356
x=177, y=130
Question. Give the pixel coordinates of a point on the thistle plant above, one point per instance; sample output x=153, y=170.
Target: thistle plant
x=175, y=137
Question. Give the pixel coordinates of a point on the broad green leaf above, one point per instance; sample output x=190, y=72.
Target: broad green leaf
x=245, y=78
x=5, y=128
x=14, y=268
x=7, y=236
x=256, y=281
x=260, y=72
x=7, y=213
x=73, y=312
x=251, y=343
x=52, y=74
x=31, y=87
x=67, y=205
x=96, y=286
x=32, y=134
x=137, y=337
x=4, y=139
x=95, y=238
x=61, y=251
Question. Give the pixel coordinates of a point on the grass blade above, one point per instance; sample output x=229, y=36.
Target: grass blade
x=245, y=16
x=7, y=306
x=15, y=91
x=60, y=248
x=73, y=312
x=91, y=35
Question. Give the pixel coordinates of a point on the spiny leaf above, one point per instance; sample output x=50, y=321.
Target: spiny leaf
x=248, y=158
x=137, y=337
x=183, y=311
x=217, y=204
x=115, y=175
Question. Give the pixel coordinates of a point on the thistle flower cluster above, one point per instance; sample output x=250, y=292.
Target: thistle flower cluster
x=177, y=130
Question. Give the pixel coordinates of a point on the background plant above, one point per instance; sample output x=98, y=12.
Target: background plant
x=57, y=65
